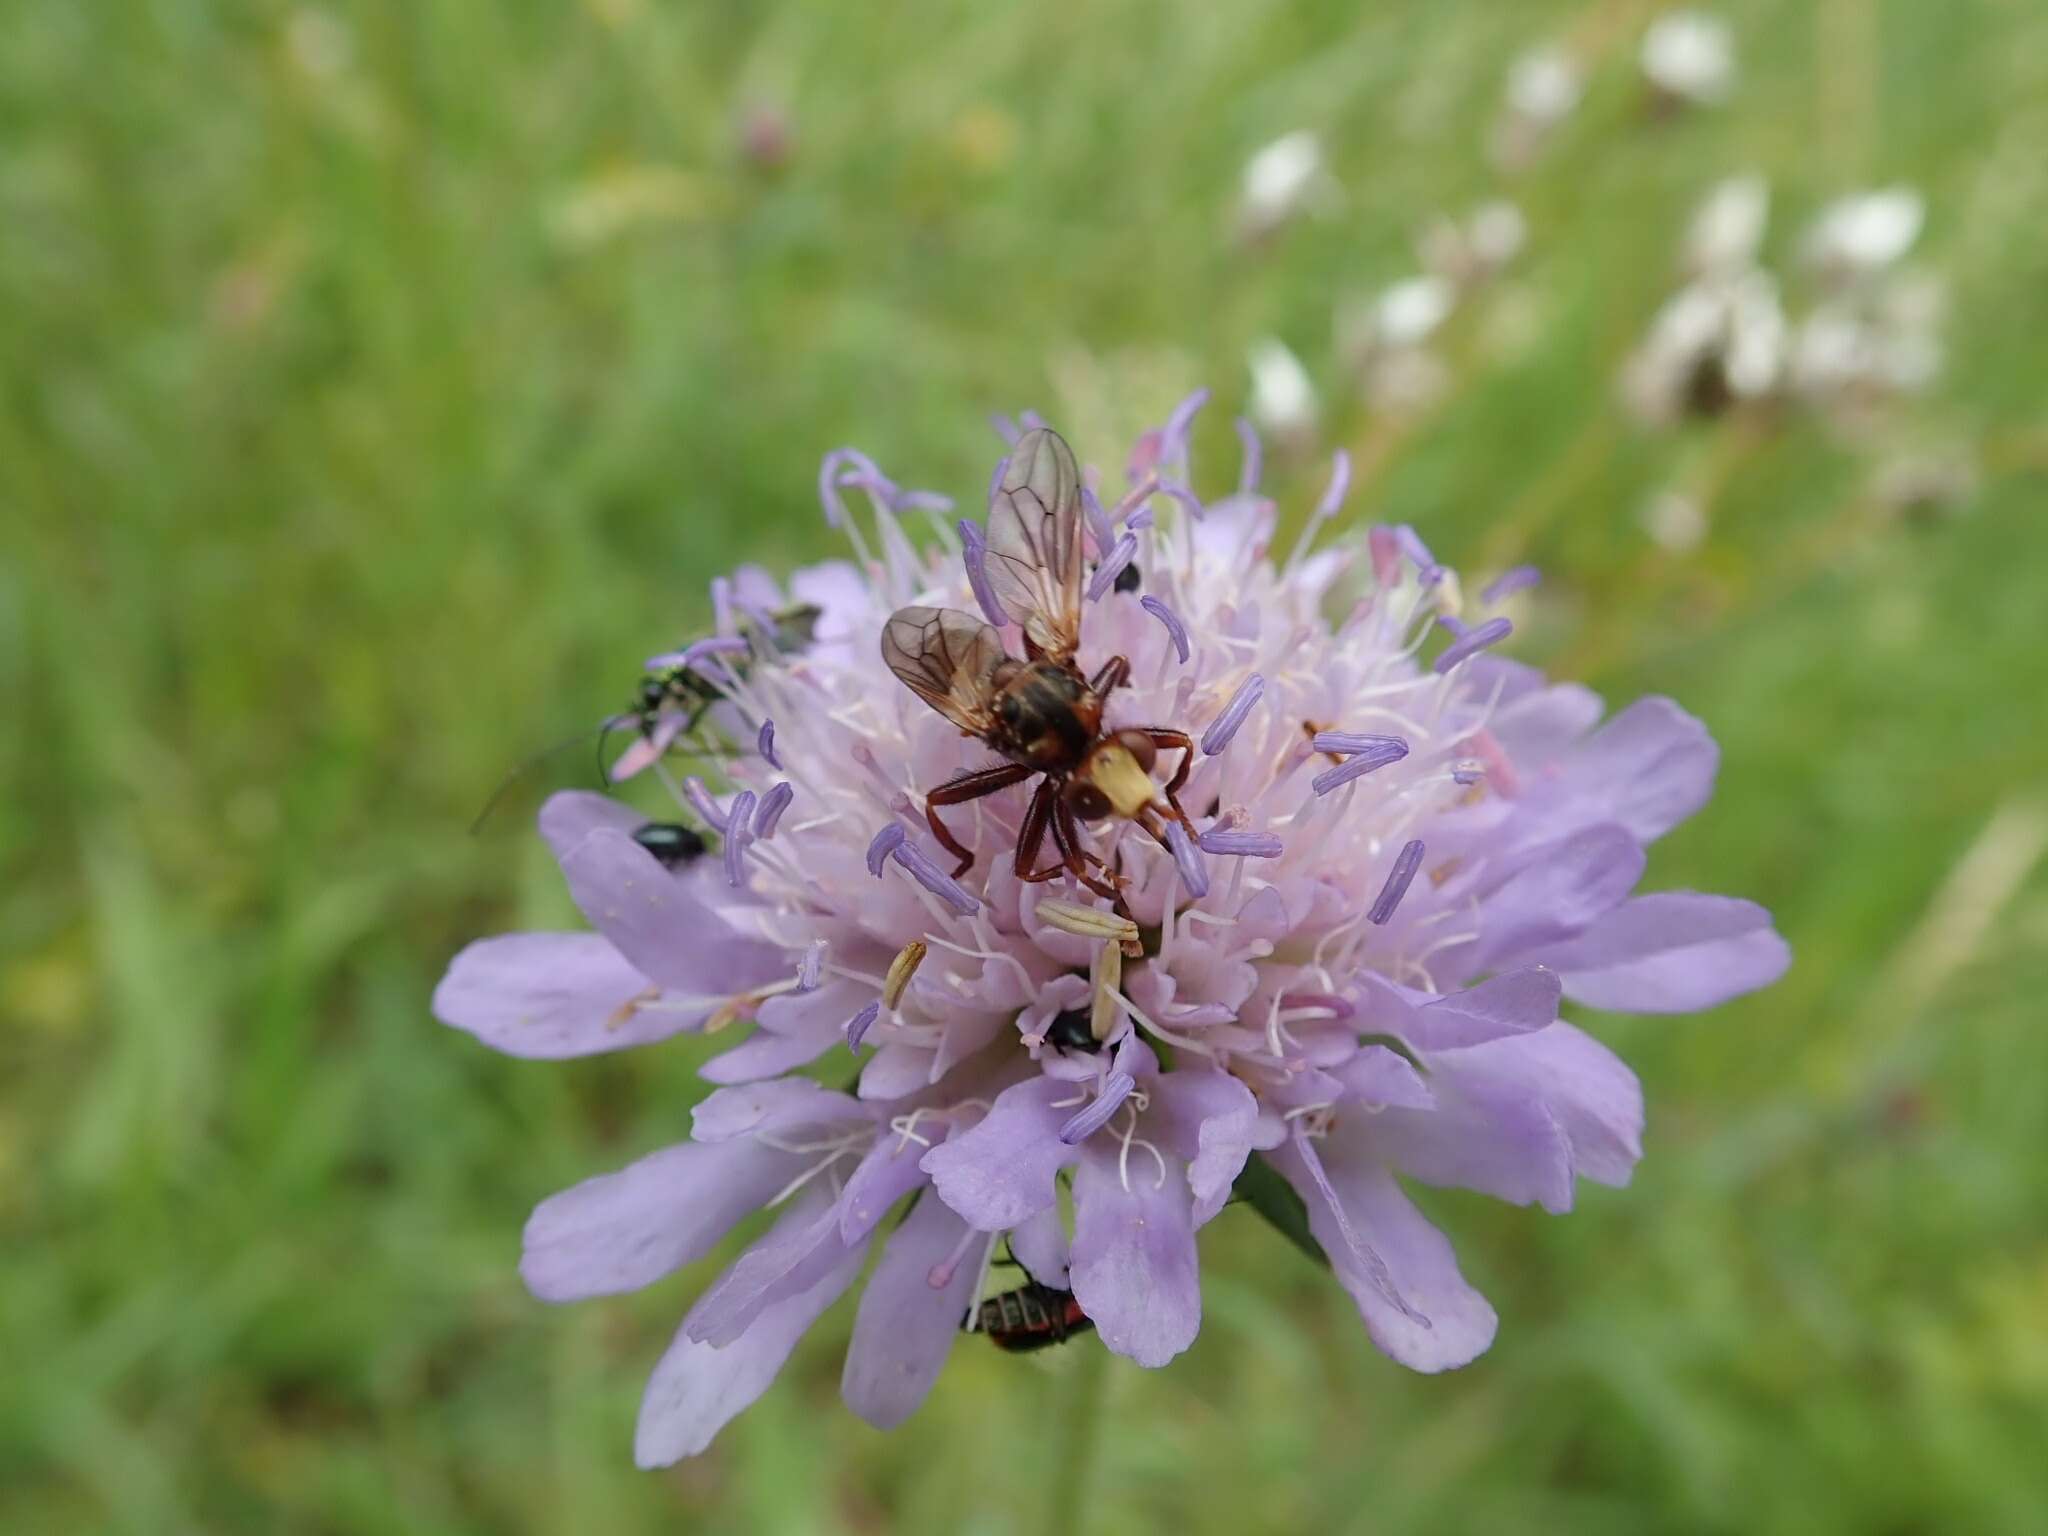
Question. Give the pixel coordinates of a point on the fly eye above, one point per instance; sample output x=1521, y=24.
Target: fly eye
x=1088, y=802
x=1139, y=745
x=1009, y=710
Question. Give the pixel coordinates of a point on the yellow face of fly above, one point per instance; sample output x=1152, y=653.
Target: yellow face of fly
x=1126, y=786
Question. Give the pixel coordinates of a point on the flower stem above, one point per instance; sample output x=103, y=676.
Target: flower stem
x=1077, y=1415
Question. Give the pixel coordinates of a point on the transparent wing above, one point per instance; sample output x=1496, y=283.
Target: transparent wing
x=946, y=658
x=1034, y=541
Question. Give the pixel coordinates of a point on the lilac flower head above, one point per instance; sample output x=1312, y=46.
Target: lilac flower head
x=1345, y=977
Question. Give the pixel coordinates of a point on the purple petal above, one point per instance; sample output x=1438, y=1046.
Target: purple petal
x=702, y=803
x=773, y=804
x=1391, y=749
x=1486, y=1130
x=1380, y=1078
x=905, y=1328
x=1094, y=1115
x=1254, y=457
x=858, y=1026
x=1225, y=725
x=738, y=833
x=1173, y=438
x=1120, y=555
x=1509, y=1004
x=974, y=556
x=1000, y=1173
x=1398, y=879
x=1338, y=488
x=657, y=924
x=888, y=1172
x=1472, y=642
x=762, y=1056
x=697, y=652
x=1560, y=891
x=788, y=1261
x=885, y=842
x=697, y=1389
x=811, y=966
x=765, y=745
x=1193, y=873
x=1588, y=1090
x=1510, y=582
x=781, y=1108
x=1176, y=631
x=1211, y=1120
x=1039, y=1243
x=1353, y=743
x=1098, y=521
x=1652, y=766
x=552, y=995
x=1226, y=841
x=1417, y=1256
x=1133, y=1267
x=621, y=1231
x=570, y=815
x=936, y=880
x=1675, y=952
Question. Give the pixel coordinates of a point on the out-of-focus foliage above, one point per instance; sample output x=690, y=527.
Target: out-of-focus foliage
x=383, y=380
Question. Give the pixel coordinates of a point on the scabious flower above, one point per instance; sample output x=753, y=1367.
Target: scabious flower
x=1688, y=58
x=1407, y=851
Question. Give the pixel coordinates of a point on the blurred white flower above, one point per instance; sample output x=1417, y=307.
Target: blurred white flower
x=1860, y=236
x=1470, y=253
x=1689, y=58
x=1544, y=86
x=1858, y=347
x=1675, y=522
x=1727, y=231
x=1409, y=312
x=1281, y=181
x=1385, y=339
x=1717, y=342
x=1283, y=399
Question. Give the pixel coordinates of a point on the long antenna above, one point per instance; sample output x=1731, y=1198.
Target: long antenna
x=528, y=764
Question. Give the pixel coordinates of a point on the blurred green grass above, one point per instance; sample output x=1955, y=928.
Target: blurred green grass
x=382, y=381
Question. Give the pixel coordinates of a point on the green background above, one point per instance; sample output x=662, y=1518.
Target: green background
x=382, y=381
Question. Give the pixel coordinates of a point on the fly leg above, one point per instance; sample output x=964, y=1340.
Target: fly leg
x=969, y=786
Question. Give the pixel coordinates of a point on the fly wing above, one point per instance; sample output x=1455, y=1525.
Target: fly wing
x=1034, y=542
x=947, y=658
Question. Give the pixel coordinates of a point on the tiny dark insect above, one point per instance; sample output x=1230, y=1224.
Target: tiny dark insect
x=1031, y=1317
x=682, y=694
x=1072, y=1030
x=671, y=842
x=1041, y=713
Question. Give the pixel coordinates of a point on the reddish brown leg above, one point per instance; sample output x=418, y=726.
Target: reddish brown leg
x=1185, y=743
x=1032, y=836
x=1066, y=836
x=1114, y=674
x=969, y=786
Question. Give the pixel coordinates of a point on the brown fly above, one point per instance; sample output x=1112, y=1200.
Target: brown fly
x=1040, y=714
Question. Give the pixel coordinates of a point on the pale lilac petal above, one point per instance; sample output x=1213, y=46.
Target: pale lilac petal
x=698, y=1389
x=1672, y=953
x=568, y=816
x=1133, y=1267
x=1509, y=1004
x=1488, y=1130
x=763, y=1055
x=623, y=1230
x=1379, y=1078
x=1039, y=1243
x=1589, y=1091
x=1000, y=1173
x=781, y=1108
x=1560, y=891
x=1418, y=1258
x=552, y=995
x=1651, y=766
x=1210, y=1120
x=905, y=1327
x=667, y=934
x=888, y=1172
x=788, y=1261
